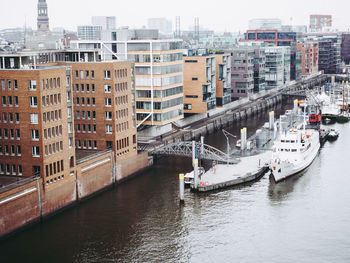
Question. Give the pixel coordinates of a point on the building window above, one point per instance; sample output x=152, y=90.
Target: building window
x=34, y=119
x=107, y=88
x=19, y=169
x=108, y=115
x=18, y=134
x=35, y=151
x=107, y=74
x=33, y=101
x=2, y=84
x=109, y=129
x=108, y=102
x=32, y=84
x=15, y=84
x=19, y=152
x=35, y=135
x=92, y=74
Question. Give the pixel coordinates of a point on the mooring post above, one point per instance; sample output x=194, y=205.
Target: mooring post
x=182, y=188
x=295, y=108
x=195, y=173
x=202, y=145
x=271, y=119
x=193, y=152
x=243, y=138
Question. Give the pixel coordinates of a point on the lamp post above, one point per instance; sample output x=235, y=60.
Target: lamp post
x=226, y=133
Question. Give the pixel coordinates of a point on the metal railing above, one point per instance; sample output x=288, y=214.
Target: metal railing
x=204, y=151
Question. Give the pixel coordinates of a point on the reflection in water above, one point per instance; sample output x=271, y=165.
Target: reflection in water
x=303, y=219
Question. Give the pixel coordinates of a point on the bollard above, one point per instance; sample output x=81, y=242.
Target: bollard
x=195, y=173
x=182, y=188
x=193, y=152
x=202, y=145
x=295, y=108
x=271, y=119
x=243, y=138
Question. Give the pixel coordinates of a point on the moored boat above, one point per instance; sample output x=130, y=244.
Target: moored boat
x=333, y=135
x=294, y=151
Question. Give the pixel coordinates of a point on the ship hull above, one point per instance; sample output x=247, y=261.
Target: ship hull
x=281, y=170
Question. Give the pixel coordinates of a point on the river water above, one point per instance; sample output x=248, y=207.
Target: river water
x=303, y=219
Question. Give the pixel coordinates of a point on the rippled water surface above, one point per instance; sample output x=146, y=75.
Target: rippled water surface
x=303, y=219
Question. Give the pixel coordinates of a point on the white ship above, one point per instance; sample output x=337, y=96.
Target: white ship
x=293, y=151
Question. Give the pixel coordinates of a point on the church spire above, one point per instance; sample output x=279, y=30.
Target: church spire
x=43, y=18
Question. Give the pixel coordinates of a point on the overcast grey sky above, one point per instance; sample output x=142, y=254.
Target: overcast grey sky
x=219, y=15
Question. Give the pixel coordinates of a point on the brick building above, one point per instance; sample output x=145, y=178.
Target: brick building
x=103, y=111
x=242, y=72
x=309, y=57
x=36, y=127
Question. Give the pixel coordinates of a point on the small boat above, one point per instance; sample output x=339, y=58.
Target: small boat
x=333, y=135
x=343, y=117
x=189, y=177
x=327, y=120
x=323, y=135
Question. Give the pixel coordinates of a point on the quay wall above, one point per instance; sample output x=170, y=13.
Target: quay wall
x=32, y=202
x=19, y=206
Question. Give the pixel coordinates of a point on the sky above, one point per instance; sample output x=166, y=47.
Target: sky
x=219, y=15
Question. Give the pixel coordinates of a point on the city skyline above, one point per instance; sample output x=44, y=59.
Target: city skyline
x=230, y=17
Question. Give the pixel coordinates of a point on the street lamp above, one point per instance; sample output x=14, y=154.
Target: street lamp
x=226, y=133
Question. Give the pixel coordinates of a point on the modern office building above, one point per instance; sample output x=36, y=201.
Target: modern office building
x=259, y=69
x=265, y=23
x=158, y=71
x=309, y=57
x=279, y=38
x=318, y=23
x=199, y=83
x=242, y=72
x=88, y=32
x=164, y=25
x=105, y=22
x=218, y=42
x=223, y=78
x=277, y=67
x=345, y=48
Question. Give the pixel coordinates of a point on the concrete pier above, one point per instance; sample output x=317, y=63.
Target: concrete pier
x=224, y=175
